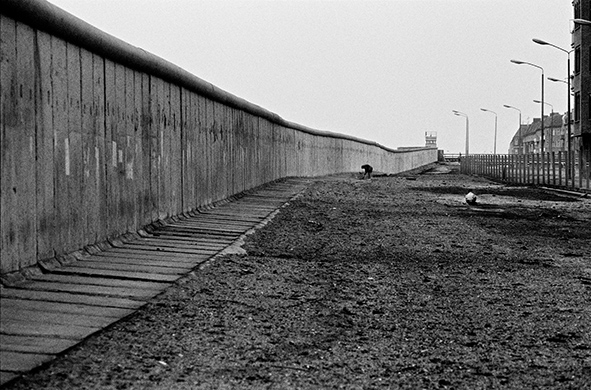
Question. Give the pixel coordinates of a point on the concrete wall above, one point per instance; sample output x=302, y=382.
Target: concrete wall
x=99, y=138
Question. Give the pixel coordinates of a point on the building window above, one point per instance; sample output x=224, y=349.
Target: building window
x=577, y=59
x=577, y=9
x=577, y=106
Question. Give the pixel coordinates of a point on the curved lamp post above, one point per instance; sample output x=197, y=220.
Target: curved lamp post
x=519, y=138
x=542, y=117
x=569, y=132
x=459, y=113
x=546, y=103
x=495, y=144
x=557, y=80
x=582, y=22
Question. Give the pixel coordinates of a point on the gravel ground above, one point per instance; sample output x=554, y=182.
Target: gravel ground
x=393, y=282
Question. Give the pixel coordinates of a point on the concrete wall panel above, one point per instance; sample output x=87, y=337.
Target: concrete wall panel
x=46, y=215
x=98, y=139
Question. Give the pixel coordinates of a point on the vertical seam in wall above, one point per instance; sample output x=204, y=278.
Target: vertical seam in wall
x=181, y=138
x=37, y=86
x=105, y=164
x=82, y=178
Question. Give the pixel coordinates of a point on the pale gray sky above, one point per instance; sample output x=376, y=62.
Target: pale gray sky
x=386, y=71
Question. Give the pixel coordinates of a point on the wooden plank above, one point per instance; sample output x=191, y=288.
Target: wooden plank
x=7, y=376
x=143, y=261
x=29, y=344
x=9, y=314
x=118, y=274
x=232, y=230
x=120, y=292
x=196, y=240
x=230, y=227
x=100, y=281
x=50, y=296
x=197, y=235
x=253, y=217
x=186, y=244
x=207, y=229
x=168, y=252
x=193, y=239
x=26, y=328
x=220, y=215
x=47, y=229
x=22, y=362
x=69, y=303
x=190, y=232
x=171, y=249
x=124, y=266
x=144, y=254
x=239, y=210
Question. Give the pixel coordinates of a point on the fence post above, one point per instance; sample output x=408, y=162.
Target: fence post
x=553, y=159
x=560, y=168
x=524, y=170
x=581, y=170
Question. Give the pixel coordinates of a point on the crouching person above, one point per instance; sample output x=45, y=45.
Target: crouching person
x=367, y=170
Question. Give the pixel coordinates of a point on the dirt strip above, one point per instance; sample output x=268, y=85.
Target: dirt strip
x=393, y=282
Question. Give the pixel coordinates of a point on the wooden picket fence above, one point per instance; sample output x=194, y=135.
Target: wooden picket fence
x=556, y=169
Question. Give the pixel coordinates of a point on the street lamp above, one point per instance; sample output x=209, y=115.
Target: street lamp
x=495, y=147
x=540, y=42
x=546, y=103
x=557, y=80
x=542, y=69
x=520, y=140
x=459, y=113
x=582, y=22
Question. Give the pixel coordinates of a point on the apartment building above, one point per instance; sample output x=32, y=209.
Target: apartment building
x=581, y=80
x=528, y=138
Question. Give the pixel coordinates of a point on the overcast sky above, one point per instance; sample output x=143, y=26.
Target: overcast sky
x=385, y=71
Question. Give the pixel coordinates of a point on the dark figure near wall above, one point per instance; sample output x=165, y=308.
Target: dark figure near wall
x=367, y=170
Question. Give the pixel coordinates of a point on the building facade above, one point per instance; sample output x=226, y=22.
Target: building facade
x=581, y=80
x=528, y=138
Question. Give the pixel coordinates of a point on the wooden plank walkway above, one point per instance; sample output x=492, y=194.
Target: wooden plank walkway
x=51, y=312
